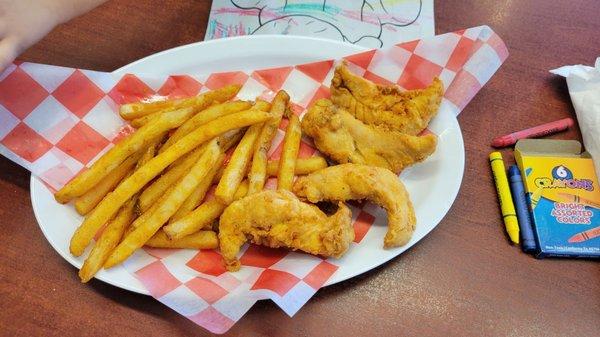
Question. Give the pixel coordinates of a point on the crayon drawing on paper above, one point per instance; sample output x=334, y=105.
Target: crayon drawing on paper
x=373, y=23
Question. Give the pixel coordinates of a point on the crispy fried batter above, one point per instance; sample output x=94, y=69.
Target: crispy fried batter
x=348, y=140
x=357, y=182
x=388, y=107
x=279, y=219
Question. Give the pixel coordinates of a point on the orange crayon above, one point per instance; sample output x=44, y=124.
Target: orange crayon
x=566, y=197
x=586, y=235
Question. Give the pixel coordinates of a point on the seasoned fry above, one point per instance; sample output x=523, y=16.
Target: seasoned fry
x=202, y=217
x=168, y=179
x=261, y=105
x=237, y=166
x=85, y=203
x=107, y=242
x=113, y=232
x=167, y=207
x=231, y=138
x=115, y=156
x=107, y=208
x=289, y=154
x=199, y=193
x=145, y=215
x=148, y=154
x=198, y=240
x=303, y=166
x=136, y=110
x=178, y=169
x=203, y=117
x=139, y=122
x=258, y=170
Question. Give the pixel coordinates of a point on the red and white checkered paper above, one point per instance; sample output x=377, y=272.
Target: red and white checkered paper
x=54, y=121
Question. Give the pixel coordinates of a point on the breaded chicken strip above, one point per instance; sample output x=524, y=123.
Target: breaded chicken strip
x=346, y=139
x=279, y=219
x=357, y=182
x=388, y=107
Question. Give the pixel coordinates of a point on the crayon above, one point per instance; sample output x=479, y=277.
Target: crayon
x=506, y=203
x=536, y=131
x=518, y=194
x=586, y=235
x=566, y=197
x=535, y=197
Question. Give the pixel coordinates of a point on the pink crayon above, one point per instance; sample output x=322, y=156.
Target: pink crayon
x=536, y=131
x=584, y=236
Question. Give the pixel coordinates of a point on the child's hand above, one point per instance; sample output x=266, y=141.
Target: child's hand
x=25, y=22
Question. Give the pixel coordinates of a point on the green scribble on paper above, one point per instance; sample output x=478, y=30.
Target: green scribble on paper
x=314, y=7
x=212, y=25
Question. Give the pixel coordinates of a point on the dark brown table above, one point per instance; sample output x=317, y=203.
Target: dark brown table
x=464, y=279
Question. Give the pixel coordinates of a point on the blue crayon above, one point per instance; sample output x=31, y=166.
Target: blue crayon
x=518, y=193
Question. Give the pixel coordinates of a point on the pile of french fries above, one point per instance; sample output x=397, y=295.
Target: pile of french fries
x=150, y=189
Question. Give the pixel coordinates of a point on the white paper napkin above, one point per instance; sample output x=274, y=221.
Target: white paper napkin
x=584, y=88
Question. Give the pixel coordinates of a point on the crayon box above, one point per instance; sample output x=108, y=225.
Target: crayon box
x=563, y=195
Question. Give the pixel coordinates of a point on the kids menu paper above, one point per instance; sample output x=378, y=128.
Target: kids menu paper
x=373, y=24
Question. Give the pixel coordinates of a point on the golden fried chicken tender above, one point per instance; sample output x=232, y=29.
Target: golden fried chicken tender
x=388, y=107
x=358, y=182
x=346, y=139
x=279, y=219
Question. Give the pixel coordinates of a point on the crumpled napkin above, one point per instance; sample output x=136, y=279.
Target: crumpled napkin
x=584, y=88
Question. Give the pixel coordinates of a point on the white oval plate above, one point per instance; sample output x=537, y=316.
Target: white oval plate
x=433, y=184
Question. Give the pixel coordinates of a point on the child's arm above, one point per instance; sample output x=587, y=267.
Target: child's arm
x=25, y=22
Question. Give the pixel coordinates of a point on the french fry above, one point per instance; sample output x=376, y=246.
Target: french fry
x=198, y=240
x=85, y=203
x=115, y=156
x=261, y=105
x=136, y=110
x=113, y=232
x=178, y=169
x=167, y=207
x=202, y=217
x=157, y=189
x=141, y=121
x=199, y=193
x=145, y=215
x=107, y=208
x=231, y=138
x=289, y=154
x=148, y=154
x=303, y=166
x=237, y=166
x=258, y=170
x=203, y=117
x=107, y=242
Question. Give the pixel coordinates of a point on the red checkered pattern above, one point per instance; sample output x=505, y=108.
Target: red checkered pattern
x=55, y=121
x=208, y=295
